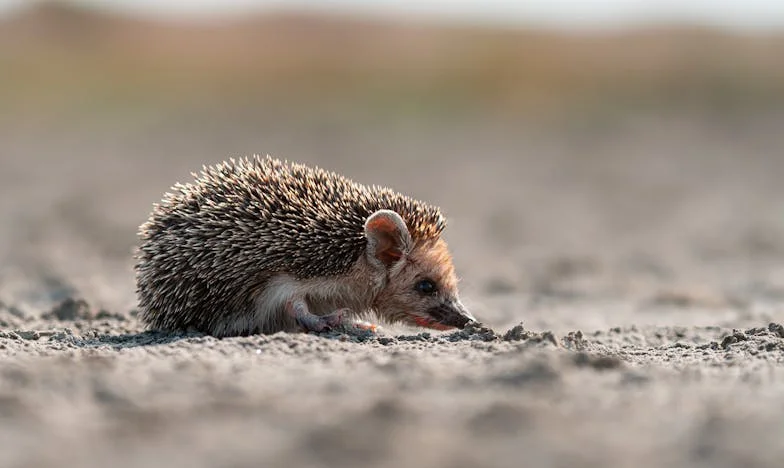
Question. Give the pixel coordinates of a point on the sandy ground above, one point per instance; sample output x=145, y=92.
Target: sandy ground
x=642, y=253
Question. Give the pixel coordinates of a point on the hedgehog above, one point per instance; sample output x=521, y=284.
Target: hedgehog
x=259, y=245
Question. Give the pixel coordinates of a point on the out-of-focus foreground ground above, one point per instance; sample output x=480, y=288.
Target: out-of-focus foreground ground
x=626, y=184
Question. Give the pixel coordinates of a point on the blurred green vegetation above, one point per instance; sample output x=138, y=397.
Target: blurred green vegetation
x=64, y=61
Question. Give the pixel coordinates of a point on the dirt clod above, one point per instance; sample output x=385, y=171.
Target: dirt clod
x=70, y=309
x=575, y=341
x=598, y=362
x=27, y=334
x=11, y=310
x=777, y=328
x=474, y=331
x=519, y=333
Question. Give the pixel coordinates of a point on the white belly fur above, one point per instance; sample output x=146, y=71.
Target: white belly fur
x=323, y=296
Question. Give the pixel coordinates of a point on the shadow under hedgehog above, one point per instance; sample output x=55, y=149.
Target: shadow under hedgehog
x=259, y=245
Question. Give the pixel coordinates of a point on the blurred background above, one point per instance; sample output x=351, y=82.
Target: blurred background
x=629, y=153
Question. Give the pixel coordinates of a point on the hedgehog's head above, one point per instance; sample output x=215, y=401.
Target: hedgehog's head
x=420, y=286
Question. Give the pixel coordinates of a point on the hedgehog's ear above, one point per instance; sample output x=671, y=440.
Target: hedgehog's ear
x=388, y=237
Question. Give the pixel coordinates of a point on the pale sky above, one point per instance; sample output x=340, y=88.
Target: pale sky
x=735, y=14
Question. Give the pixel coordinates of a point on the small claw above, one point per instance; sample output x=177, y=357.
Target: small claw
x=365, y=326
x=335, y=319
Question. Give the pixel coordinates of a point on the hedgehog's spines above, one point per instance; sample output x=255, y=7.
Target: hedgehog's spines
x=210, y=243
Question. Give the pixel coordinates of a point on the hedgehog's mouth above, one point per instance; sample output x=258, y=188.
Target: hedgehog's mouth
x=426, y=322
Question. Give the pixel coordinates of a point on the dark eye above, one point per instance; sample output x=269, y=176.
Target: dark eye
x=426, y=286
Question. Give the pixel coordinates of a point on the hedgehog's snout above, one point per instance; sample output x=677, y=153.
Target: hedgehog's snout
x=451, y=314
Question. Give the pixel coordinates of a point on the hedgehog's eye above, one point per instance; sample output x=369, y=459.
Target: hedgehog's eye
x=425, y=286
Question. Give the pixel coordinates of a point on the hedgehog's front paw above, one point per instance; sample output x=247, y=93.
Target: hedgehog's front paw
x=310, y=322
x=342, y=320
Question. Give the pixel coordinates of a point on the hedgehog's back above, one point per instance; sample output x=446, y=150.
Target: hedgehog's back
x=289, y=216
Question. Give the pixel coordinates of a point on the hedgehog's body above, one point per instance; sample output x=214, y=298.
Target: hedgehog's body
x=258, y=246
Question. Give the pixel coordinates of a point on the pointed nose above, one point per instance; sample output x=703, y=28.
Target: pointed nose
x=452, y=314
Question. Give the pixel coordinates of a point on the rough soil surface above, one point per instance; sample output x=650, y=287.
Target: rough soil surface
x=100, y=391
x=628, y=268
